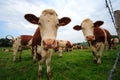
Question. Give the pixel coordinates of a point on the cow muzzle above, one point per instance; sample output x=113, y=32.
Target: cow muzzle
x=49, y=43
x=90, y=38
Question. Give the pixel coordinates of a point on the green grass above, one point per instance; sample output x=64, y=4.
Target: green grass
x=75, y=65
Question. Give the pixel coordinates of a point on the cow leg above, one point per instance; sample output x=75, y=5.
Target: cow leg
x=106, y=47
x=43, y=54
x=34, y=57
x=94, y=51
x=34, y=54
x=94, y=57
x=48, y=60
x=100, y=48
x=14, y=55
x=15, y=50
x=40, y=69
x=20, y=52
x=60, y=52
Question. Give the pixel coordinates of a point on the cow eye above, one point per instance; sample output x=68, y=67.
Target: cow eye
x=58, y=25
x=39, y=23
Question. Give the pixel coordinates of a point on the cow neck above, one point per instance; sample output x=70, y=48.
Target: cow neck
x=104, y=34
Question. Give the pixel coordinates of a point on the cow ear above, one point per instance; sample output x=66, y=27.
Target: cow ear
x=98, y=23
x=31, y=18
x=64, y=21
x=77, y=28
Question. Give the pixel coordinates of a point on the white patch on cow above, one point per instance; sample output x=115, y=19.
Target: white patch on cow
x=39, y=49
x=48, y=24
x=61, y=47
x=116, y=40
x=16, y=48
x=87, y=27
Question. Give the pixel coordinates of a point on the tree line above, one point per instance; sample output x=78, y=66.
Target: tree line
x=5, y=42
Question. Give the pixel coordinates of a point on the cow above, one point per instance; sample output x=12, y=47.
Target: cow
x=75, y=46
x=48, y=24
x=114, y=42
x=83, y=47
x=98, y=38
x=22, y=41
x=7, y=50
x=63, y=45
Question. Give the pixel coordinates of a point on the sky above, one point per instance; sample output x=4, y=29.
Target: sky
x=12, y=13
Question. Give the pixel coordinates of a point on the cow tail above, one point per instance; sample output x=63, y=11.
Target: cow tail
x=32, y=51
x=110, y=44
x=11, y=37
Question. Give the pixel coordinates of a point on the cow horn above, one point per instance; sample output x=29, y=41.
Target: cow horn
x=10, y=36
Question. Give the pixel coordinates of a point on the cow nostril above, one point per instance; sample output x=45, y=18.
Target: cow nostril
x=49, y=43
x=44, y=42
x=87, y=37
x=53, y=41
x=93, y=37
x=90, y=37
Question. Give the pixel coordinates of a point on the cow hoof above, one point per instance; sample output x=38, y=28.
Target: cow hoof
x=14, y=61
x=40, y=75
x=34, y=61
x=95, y=61
x=49, y=76
x=98, y=63
x=60, y=56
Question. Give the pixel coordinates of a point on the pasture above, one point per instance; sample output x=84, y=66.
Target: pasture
x=74, y=65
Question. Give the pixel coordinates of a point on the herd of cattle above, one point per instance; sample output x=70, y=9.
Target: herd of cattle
x=43, y=41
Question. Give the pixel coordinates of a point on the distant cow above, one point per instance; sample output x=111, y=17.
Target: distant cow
x=83, y=47
x=76, y=46
x=44, y=38
x=63, y=45
x=7, y=50
x=19, y=43
x=98, y=38
x=114, y=42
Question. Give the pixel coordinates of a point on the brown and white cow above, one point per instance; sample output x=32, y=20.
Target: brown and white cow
x=114, y=42
x=19, y=43
x=48, y=24
x=63, y=45
x=98, y=38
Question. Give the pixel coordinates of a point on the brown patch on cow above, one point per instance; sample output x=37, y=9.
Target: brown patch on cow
x=100, y=36
x=68, y=44
x=98, y=23
x=36, y=40
x=31, y=18
x=77, y=27
x=63, y=21
x=25, y=39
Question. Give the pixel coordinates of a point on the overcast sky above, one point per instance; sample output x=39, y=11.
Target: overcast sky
x=12, y=13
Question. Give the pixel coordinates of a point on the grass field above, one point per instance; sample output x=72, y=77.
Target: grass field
x=75, y=65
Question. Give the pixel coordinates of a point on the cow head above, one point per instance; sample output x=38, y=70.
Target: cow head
x=87, y=27
x=48, y=24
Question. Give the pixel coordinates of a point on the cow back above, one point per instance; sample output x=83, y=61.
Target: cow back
x=25, y=39
x=101, y=35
